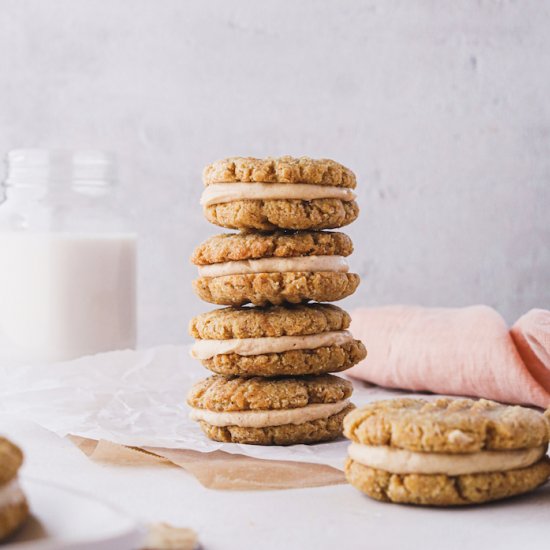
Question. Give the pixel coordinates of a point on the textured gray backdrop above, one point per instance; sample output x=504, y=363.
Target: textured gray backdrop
x=441, y=108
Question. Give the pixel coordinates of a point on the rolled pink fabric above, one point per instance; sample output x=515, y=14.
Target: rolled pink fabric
x=466, y=351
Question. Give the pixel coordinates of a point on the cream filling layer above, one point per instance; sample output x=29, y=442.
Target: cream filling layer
x=401, y=461
x=276, y=265
x=11, y=493
x=206, y=349
x=217, y=193
x=264, y=418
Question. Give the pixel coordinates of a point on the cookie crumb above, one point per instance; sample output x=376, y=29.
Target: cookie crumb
x=163, y=536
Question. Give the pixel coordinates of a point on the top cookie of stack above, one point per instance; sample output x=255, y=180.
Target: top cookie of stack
x=279, y=193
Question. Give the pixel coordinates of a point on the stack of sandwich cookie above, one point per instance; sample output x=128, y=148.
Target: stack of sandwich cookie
x=272, y=361
x=13, y=505
x=446, y=452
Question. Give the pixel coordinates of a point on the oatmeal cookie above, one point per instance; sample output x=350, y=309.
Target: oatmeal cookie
x=279, y=193
x=271, y=411
x=446, y=452
x=274, y=268
x=276, y=341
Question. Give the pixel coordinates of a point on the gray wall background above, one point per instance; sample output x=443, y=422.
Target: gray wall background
x=441, y=108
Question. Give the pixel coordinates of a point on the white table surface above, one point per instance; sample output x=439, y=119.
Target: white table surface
x=327, y=517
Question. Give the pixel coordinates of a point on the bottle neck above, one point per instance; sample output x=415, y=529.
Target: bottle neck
x=43, y=171
x=61, y=191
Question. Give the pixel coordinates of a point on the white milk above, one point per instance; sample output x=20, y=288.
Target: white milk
x=66, y=295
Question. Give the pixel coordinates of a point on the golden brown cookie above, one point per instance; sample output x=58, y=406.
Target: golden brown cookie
x=15, y=510
x=276, y=288
x=269, y=411
x=233, y=393
x=232, y=247
x=278, y=267
x=266, y=215
x=314, y=431
x=276, y=340
x=258, y=322
x=279, y=170
x=12, y=517
x=336, y=358
x=443, y=490
x=447, y=425
x=282, y=193
x=446, y=452
x=11, y=459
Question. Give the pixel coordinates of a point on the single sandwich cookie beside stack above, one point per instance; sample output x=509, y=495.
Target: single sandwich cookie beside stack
x=446, y=452
x=276, y=341
x=13, y=504
x=273, y=268
x=271, y=411
x=279, y=193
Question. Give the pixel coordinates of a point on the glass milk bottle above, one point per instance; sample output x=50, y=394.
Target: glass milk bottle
x=67, y=258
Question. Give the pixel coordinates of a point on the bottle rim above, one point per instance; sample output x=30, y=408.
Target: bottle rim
x=83, y=167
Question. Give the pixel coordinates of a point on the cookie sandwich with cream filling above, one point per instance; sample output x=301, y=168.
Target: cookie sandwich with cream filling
x=446, y=452
x=279, y=193
x=14, y=509
x=276, y=341
x=271, y=411
x=274, y=268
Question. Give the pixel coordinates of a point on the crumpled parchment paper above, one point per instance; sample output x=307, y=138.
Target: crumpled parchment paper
x=137, y=399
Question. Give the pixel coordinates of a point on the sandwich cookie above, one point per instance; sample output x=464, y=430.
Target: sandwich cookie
x=446, y=452
x=13, y=504
x=278, y=267
x=276, y=340
x=271, y=411
x=279, y=193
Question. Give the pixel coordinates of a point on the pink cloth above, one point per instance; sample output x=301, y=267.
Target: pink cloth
x=467, y=351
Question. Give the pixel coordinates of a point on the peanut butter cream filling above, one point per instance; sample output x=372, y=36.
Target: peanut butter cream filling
x=276, y=265
x=11, y=493
x=217, y=193
x=206, y=349
x=401, y=461
x=265, y=418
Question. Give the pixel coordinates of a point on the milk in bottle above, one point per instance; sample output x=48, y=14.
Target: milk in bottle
x=67, y=259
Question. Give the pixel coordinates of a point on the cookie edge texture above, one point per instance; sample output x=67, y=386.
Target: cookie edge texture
x=284, y=169
x=314, y=431
x=443, y=490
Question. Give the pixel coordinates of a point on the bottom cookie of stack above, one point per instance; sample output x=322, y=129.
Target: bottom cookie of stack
x=446, y=452
x=271, y=411
x=13, y=504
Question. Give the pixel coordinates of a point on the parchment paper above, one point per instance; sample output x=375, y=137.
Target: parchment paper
x=137, y=399
x=216, y=470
